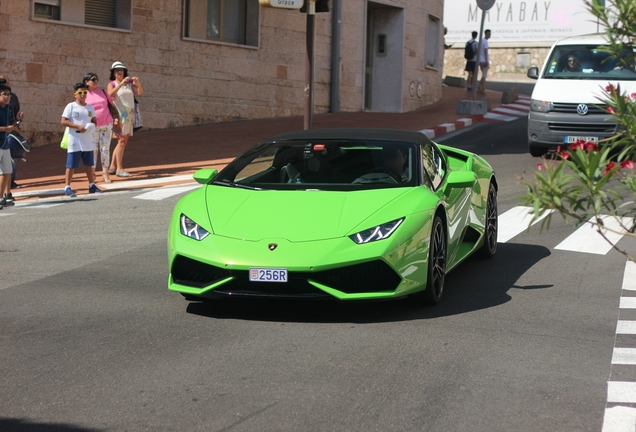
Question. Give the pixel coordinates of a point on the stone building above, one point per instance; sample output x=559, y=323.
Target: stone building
x=203, y=61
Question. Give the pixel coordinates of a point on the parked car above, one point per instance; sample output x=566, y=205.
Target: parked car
x=567, y=100
x=350, y=214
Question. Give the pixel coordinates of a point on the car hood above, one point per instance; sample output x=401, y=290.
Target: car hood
x=296, y=215
x=576, y=90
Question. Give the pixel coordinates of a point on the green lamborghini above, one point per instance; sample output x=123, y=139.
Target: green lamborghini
x=349, y=214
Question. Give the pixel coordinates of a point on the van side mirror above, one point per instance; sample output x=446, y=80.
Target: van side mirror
x=533, y=72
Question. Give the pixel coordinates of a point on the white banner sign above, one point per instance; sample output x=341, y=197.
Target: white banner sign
x=519, y=21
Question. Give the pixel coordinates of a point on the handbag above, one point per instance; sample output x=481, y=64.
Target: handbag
x=64, y=142
x=18, y=145
x=137, y=120
x=114, y=112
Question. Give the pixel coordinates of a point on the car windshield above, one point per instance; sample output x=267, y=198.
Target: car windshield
x=589, y=62
x=345, y=165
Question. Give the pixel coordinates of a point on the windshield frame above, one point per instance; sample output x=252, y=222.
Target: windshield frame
x=595, y=63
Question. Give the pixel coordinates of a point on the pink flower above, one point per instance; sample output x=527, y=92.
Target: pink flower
x=633, y=95
x=610, y=166
x=627, y=164
x=539, y=166
x=609, y=88
x=610, y=110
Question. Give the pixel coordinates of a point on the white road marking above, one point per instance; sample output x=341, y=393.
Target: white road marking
x=626, y=327
x=629, y=277
x=587, y=239
x=627, y=303
x=624, y=356
x=515, y=221
x=146, y=182
x=510, y=111
x=619, y=419
x=166, y=192
x=621, y=392
x=500, y=117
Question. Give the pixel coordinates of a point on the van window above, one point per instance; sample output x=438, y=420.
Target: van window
x=589, y=62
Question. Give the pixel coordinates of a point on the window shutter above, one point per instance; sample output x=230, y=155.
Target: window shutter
x=100, y=13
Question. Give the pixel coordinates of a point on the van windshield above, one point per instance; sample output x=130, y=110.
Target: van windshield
x=588, y=62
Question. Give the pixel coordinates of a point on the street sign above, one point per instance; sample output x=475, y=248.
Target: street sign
x=485, y=4
x=282, y=4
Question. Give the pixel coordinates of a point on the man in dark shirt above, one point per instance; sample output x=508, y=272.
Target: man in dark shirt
x=15, y=106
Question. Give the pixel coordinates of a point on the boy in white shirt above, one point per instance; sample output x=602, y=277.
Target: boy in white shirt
x=80, y=118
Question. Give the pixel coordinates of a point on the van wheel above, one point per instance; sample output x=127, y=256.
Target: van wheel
x=536, y=150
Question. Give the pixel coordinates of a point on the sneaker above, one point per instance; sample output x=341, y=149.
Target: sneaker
x=69, y=192
x=94, y=189
x=8, y=197
x=14, y=185
x=123, y=174
x=5, y=203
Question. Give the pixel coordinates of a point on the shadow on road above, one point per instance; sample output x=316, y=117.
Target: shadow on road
x=22, y=425
x=476, y=284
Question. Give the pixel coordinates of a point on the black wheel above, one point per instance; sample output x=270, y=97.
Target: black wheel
x=436, y=265
x=490, y=229
x=536, y=150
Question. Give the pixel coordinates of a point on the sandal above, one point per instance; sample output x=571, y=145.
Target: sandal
x=123, y=174
x=111, y=171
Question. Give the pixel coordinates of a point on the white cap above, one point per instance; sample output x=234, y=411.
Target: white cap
x=118, y=65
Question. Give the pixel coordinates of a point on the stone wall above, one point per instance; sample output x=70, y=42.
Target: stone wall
x=190, y=82
x=504, y=61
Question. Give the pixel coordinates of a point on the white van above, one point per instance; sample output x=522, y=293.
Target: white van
x=567, y=98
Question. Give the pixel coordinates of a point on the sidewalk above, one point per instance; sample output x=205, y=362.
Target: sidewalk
x=170, y=156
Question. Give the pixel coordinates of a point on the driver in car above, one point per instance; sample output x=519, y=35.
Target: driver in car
x=393, y=163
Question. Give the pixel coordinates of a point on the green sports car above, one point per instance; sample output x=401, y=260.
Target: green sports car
x=350, y=214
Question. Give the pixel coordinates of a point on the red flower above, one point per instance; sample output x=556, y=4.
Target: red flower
x=633, y=95
x=576, y=145
x=610, y=110
x=609, y=88
x=539, y=166
x=627, y=164
x=610, y=166
x=590, y=146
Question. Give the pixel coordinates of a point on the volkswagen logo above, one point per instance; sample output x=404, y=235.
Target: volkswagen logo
x=582, y=109
x=272, y=246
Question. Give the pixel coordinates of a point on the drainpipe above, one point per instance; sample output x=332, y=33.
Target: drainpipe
x=336, y=24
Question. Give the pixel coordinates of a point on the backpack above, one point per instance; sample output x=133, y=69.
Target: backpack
x=469, y=50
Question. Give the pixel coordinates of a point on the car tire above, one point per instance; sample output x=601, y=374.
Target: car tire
x=436, y=265
x=491, y=226
x=537, y=150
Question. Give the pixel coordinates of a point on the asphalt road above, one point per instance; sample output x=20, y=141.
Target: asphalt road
x=91, y=340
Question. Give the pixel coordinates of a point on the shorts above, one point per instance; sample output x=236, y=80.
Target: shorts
x=484, y=70
x=5, y=162
x=73, y=159
x=470, y=66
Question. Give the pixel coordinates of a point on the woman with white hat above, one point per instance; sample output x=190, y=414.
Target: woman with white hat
x=123, y=90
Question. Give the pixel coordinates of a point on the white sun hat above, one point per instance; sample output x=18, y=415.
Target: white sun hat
x=118, y=65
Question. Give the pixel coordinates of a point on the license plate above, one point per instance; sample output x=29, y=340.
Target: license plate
x=268, y=275
x=572, y=139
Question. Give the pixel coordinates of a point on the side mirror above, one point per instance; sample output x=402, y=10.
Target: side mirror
x=533, y=72
x=461, y=179
x=205, y=175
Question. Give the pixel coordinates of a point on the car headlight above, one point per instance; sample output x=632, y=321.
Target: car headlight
x=190, y=228
x=540, y=106
x=379, y=232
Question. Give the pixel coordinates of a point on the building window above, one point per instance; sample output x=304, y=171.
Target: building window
x=233, y=21
x=433, y=44
x=47, y=10
x=100, y=13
